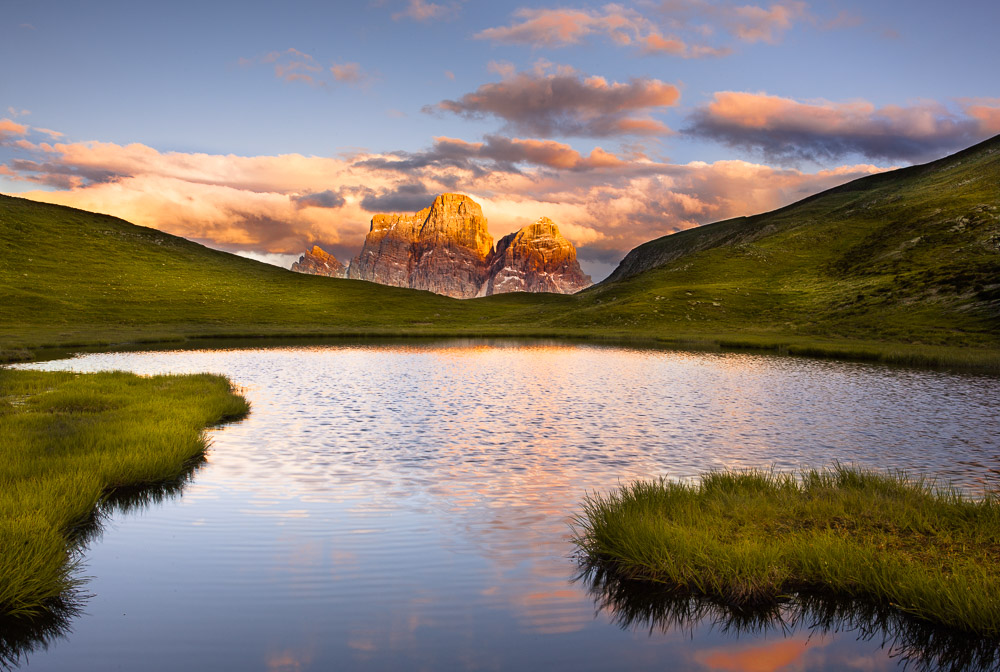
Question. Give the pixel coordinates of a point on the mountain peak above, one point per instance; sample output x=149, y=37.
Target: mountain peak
x=318, y=261
x=447, y=248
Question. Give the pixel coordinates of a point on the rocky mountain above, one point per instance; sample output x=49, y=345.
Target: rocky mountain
x=444, y=248
x=536, y=258
x=319, y=262
x=447, y=249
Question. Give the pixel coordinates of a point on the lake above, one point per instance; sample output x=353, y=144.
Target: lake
x=408, y=507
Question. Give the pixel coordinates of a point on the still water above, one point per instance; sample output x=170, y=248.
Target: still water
x=408, y=508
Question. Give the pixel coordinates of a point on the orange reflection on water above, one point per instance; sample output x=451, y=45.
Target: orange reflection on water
x=785, y=654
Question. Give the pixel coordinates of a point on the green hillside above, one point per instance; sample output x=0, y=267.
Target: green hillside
x=900, y=266
x=70, y=276
x=911, y=256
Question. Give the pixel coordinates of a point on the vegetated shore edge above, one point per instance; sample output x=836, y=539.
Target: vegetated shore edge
x=753, y=539
x=986, y=360
x=68, y=442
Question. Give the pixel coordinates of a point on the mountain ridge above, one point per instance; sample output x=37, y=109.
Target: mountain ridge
x=446, y=248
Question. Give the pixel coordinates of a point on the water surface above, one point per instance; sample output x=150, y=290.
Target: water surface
x=409, y=507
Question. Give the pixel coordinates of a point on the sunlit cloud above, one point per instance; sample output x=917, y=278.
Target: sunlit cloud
x=10, y=128
x=558, y=101
x=555, y=28
x=986, y=111
x=673, y=27
x=783, y=128
x=604, y=202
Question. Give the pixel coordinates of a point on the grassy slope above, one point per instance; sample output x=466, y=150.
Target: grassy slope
x=902, y=266
x=67, y=439
x=911, y=256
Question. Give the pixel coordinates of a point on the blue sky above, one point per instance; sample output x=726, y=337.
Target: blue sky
x=265, y=129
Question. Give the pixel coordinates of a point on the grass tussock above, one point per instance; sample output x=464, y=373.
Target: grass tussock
x=757, y=538
x=69, y=440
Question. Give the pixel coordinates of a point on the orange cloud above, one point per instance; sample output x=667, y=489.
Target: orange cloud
x=9, y=127
x=562, y=102
x=787, y=128
x=564, y=27
x=986, y=111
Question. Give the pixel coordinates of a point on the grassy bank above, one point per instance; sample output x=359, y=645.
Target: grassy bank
x=751, y=539
x=67, y=440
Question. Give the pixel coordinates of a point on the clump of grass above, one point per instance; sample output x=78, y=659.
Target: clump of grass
x=750, y=539
x=67, y=441
x=15, y=355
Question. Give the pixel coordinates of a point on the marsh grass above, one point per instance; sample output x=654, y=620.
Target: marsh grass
x=70, y=442
x=752, y=539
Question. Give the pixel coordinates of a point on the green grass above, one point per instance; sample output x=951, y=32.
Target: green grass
x=902, y=267
x=68, y=440
x=754, y=539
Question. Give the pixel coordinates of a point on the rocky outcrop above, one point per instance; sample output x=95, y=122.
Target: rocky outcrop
x=535, y=259
x=444, y=248
x=319, y=262
x=447, y=249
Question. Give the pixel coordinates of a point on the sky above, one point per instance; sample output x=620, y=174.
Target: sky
x=266, y=128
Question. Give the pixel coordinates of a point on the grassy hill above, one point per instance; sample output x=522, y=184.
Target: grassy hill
x=899, y=266
x=911, y=256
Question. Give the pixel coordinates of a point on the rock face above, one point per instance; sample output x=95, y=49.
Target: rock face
x=447, y=249
x=443, y=248
x=319, y=262
x=535, y=259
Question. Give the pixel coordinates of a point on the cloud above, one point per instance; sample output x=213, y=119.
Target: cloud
x=420, y=10
x=554, y=28
x=398, y=198
x=564, y=103
x=674, y=27
x=10, y=128
x=986, y=112
x=564, y=27
x=605, y=203
x=292, y=65
x=15, y=112
x=47, y=131
x=785, y=129
x=504, y=153
x=757, y=24
x=321, y=199
x=348, y=72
